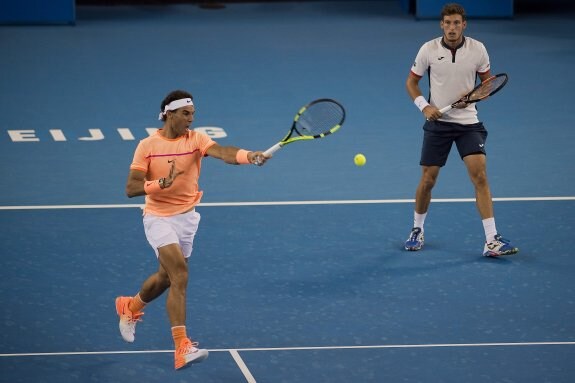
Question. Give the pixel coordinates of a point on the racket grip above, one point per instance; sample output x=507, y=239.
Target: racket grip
x=447, y=108
x=272, y=150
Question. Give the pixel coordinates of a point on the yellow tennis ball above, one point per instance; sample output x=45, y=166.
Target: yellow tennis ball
x=359, y=159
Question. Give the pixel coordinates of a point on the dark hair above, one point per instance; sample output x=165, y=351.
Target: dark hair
x=172, y=96
x=453, y=9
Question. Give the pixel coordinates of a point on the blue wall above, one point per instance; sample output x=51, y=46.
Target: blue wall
x=37, y=11
x=64, y=12
x=430, y=9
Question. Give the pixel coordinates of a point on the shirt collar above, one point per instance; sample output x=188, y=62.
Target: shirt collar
x=457, y=47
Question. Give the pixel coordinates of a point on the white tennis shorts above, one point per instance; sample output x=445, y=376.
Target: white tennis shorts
x=180, y=229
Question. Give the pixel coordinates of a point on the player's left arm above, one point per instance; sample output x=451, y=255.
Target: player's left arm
x=484, y=76
x=484, y=65
x=234, y=156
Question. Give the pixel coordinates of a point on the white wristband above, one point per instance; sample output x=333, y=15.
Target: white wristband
x=420, y=102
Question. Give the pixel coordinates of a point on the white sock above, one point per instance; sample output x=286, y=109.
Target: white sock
x=419, y=220
x=489, y=228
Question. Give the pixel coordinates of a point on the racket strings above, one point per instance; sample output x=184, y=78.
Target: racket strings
x=319, y=119
x=488, y=88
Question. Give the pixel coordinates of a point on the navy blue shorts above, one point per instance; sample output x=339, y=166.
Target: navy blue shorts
x=439, y=136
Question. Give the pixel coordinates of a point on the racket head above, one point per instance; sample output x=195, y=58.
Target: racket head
x=318, y=119
x=487, y=88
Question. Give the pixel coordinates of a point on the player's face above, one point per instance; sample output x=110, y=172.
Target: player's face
x=453, y=27
x=182, y=118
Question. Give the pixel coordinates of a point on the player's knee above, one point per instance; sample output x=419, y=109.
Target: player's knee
x=179, y=279
x=427, y=184
x=479, y=179
x=428, y=181
x=164, y=280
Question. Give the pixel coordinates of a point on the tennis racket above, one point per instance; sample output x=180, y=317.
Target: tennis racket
x=487, y=88
x=317, y=119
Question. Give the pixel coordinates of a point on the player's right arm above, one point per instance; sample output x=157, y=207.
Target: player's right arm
x=412, y=85
x=138, y=185
x=135, y=183
x=418, y=69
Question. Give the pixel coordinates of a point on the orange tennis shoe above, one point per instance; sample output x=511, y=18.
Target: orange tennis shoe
x=188, y=354
x=128, y=319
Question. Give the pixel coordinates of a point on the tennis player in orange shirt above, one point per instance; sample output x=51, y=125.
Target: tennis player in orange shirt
x=166, y=169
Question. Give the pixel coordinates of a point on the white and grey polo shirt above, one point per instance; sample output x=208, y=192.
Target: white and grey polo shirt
x=452, y=74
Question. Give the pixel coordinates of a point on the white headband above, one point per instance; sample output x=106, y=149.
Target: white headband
x=176, y=104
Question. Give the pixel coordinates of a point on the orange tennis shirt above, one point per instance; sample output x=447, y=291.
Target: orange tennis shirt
x=152, y=156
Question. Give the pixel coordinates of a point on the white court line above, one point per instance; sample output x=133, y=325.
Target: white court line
x=280, y=203
x=430, y=345
x=247, y=374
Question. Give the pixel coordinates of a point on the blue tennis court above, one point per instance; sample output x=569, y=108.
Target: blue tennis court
x=298, y=272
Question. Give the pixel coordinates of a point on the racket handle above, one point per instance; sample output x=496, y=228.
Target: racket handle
x=272, y=150
x=447, y=108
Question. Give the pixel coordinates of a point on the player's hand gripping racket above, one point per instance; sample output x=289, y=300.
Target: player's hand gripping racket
x=317, y=119
x=487, y=88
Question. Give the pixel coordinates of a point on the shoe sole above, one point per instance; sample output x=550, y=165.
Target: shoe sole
x=495, y=255
x=194, y=358
x=413, y=248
